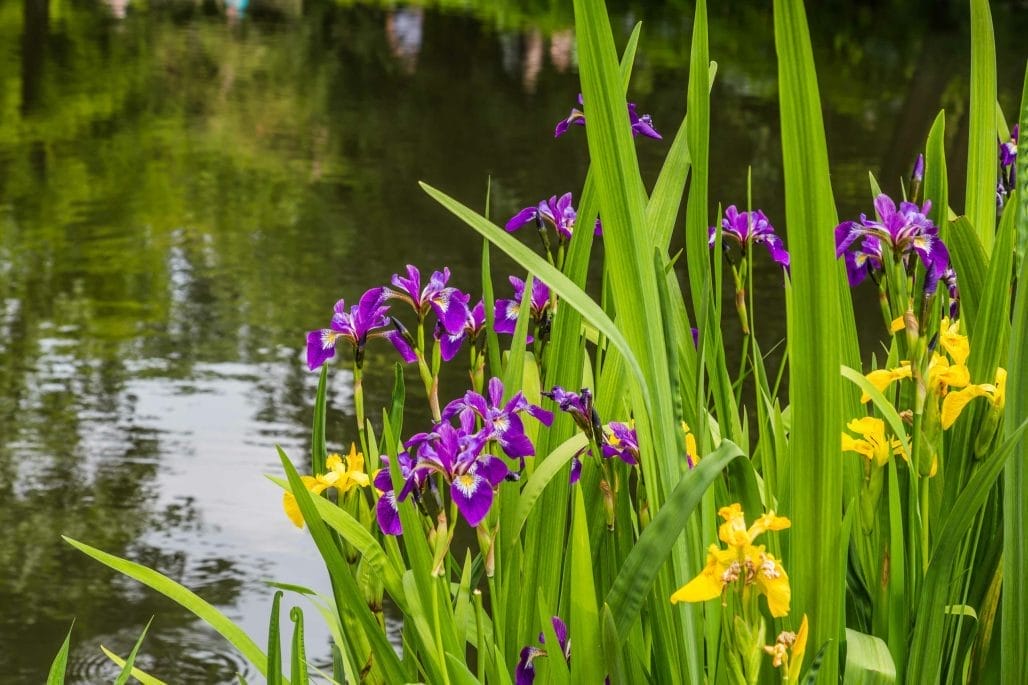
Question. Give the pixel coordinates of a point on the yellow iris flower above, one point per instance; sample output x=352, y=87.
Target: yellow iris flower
x=742, y=561
x=883, y=378
x=956, y=401
x=344, y=474
x=873, y=444
x=955, y=344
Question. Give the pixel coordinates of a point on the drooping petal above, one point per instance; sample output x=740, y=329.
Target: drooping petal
x=524, y=672
x=526, y=215
x=387, y=512
x=955, y=402
x=473, y=495
x=398, y=341
x=321, y=346
x=773, y=581
x=708, y=584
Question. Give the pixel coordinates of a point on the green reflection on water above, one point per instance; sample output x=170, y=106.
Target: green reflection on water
x=178, y=190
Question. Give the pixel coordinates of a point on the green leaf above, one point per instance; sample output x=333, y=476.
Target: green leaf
x=868, y=661
x=648, y=555
x=60, y=662
x=319, y=448
x=936, y=180
x=612, y=649
x=185, y=598
x=126, y=669
x=815, y=386
x=980, y=197
x=143, y=677
x=971, y=263
x=544, y=472
x=274, y=643
x=569, y=293
x=585, y=618
x=298, y=655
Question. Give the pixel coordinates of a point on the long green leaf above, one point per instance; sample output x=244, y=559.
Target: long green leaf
x=184, y=597
x=1014, y=599
x=126, y=669
x=569, y=293
x=970, y=263
x=936, y=180
x=648, y=555
x=142, y=676
x=298, y=654
x=980, y=196
x=814, y=471
x=60, y=663
x=585, y=616
x=275, y=642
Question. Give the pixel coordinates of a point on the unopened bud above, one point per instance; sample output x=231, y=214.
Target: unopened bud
x=369, y=579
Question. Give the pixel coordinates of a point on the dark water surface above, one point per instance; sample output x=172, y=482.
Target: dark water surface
x=185, y=189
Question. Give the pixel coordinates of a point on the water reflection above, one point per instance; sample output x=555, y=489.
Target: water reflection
x=180, y=198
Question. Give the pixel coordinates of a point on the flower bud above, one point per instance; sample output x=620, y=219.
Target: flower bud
x=369, y=580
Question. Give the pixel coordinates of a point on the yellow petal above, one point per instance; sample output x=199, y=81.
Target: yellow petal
x=768, y=522
x=897, y=324
x=333, y=462
x=799, y=648
x=954, y=343
x=733, y=530
x=354, y=460
x=882, y=378
x=774, y=583
x=292, y=509
x=956, y=401
x=706, y=585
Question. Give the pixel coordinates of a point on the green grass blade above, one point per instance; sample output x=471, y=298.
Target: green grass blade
x=298, y=653
x=648, y=555
x=612, y=649
x=814, y=471
x=936, y=179
x=319, y=448
x=544, y=472
x=126, y=669
x=60, y=663
x=275, y=642
x=184, y=597
x=570, y=293
x=584, y=626
x=1014, y=600
x=980, y=196
x=142, y=676
x=970, y=263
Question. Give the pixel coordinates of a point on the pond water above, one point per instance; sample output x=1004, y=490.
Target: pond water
x=187, y=187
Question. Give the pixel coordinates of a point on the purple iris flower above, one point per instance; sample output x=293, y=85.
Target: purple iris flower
x=623, y=443
x=449, y=304
x=524, y=672
x=449, y=343
x=501, y=421
x=558, y=213
x=505, y=313
x=387, y=511
x=640, y=124
x=1008, y=150
x=456, y=455
x=580, y=406
x=749, y=228
x=363, y=321
x=904, y=230
x=949, y=279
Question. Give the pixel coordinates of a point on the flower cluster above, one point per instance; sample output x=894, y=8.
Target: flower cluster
x=458, y=455
x=641, y=124
x=745, y=229
x=904, y=231
x=742, y=564
x=580, y=406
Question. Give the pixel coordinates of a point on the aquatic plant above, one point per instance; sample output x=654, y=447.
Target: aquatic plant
x=894, y=570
